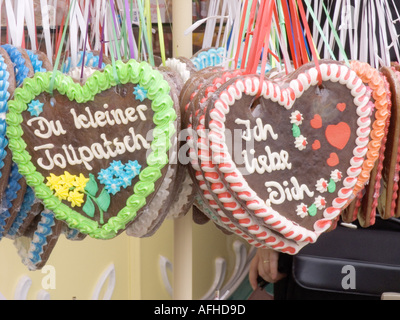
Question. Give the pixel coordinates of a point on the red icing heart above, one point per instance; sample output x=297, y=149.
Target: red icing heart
x=333, y=160
x=316, y=123
x=341, y=107
x=316, y=145
x=338, y=135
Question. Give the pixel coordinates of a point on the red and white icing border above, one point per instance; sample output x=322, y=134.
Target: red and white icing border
x=286, y=97
x=223, y=220
x=265, y=238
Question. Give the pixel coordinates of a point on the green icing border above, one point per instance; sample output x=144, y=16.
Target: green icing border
x=164, y=116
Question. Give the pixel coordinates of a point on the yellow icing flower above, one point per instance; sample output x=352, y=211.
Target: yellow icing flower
x=68, y=187
x=68, y=179
x=62, y=192
x=76, y=198
x=53, y=181
x=80, y=182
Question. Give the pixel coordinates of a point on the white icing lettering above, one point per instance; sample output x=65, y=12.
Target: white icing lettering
x=100, y=118
x=79, y=121
x=259, y=132
x=284, y=193
x=111, y=118
x=85, y=154
x=46, y=128
x=74, y=159
x=50, y=166
x=272, y=161
x=140, y=109
x=119, y=117
x=93, y=124
x=137, y=140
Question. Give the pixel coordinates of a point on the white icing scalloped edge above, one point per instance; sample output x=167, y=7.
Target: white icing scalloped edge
x=180, y=67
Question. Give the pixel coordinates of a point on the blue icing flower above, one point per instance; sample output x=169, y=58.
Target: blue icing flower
x=35, y=108
x=118, y=175
x=125, y=180
x=140, y=93
x=105, y=175
x=117, y=167
x=132, y=168
x=113, y=186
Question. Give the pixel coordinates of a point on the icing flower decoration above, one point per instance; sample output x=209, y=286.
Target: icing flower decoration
x=118, y=175
x=104, y=176
x=117, y=167
x=140, y=93
x=113, y=186
x=68, y=187
x=301, y=142
x=76, y=198
x=62, y=192
x=125, y=180
x=68, y=179
x=132, y=168
x=302, y=210
x=296, y=118
x=80, y=182
x=322, y=185
x=336, y=175
x=53, y=181
x=320, y=203
x=35, y=108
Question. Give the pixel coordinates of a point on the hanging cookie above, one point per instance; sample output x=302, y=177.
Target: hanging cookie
x=37, y=243
x=95, y=153
x=391, y=164
x=151, y=217
x=301, y=146
x=8, y=85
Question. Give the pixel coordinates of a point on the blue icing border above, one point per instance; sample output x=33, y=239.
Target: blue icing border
x=29, y=200
x=4, y=84
x=268, y=67
x=71, y=234
x=21, y=71
x=90, y=61
x=10, y=194
x=213, y=57
x=4, y=96
x=43, y=230
x=210, y=58
x=36, y=62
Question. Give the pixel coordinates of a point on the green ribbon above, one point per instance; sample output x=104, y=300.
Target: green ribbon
x=55, y=69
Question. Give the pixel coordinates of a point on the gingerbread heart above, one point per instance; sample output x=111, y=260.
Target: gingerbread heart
x=37, y=243
x=369, y=181
x=271, y=167
x=94, y=153
x=214, y=199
